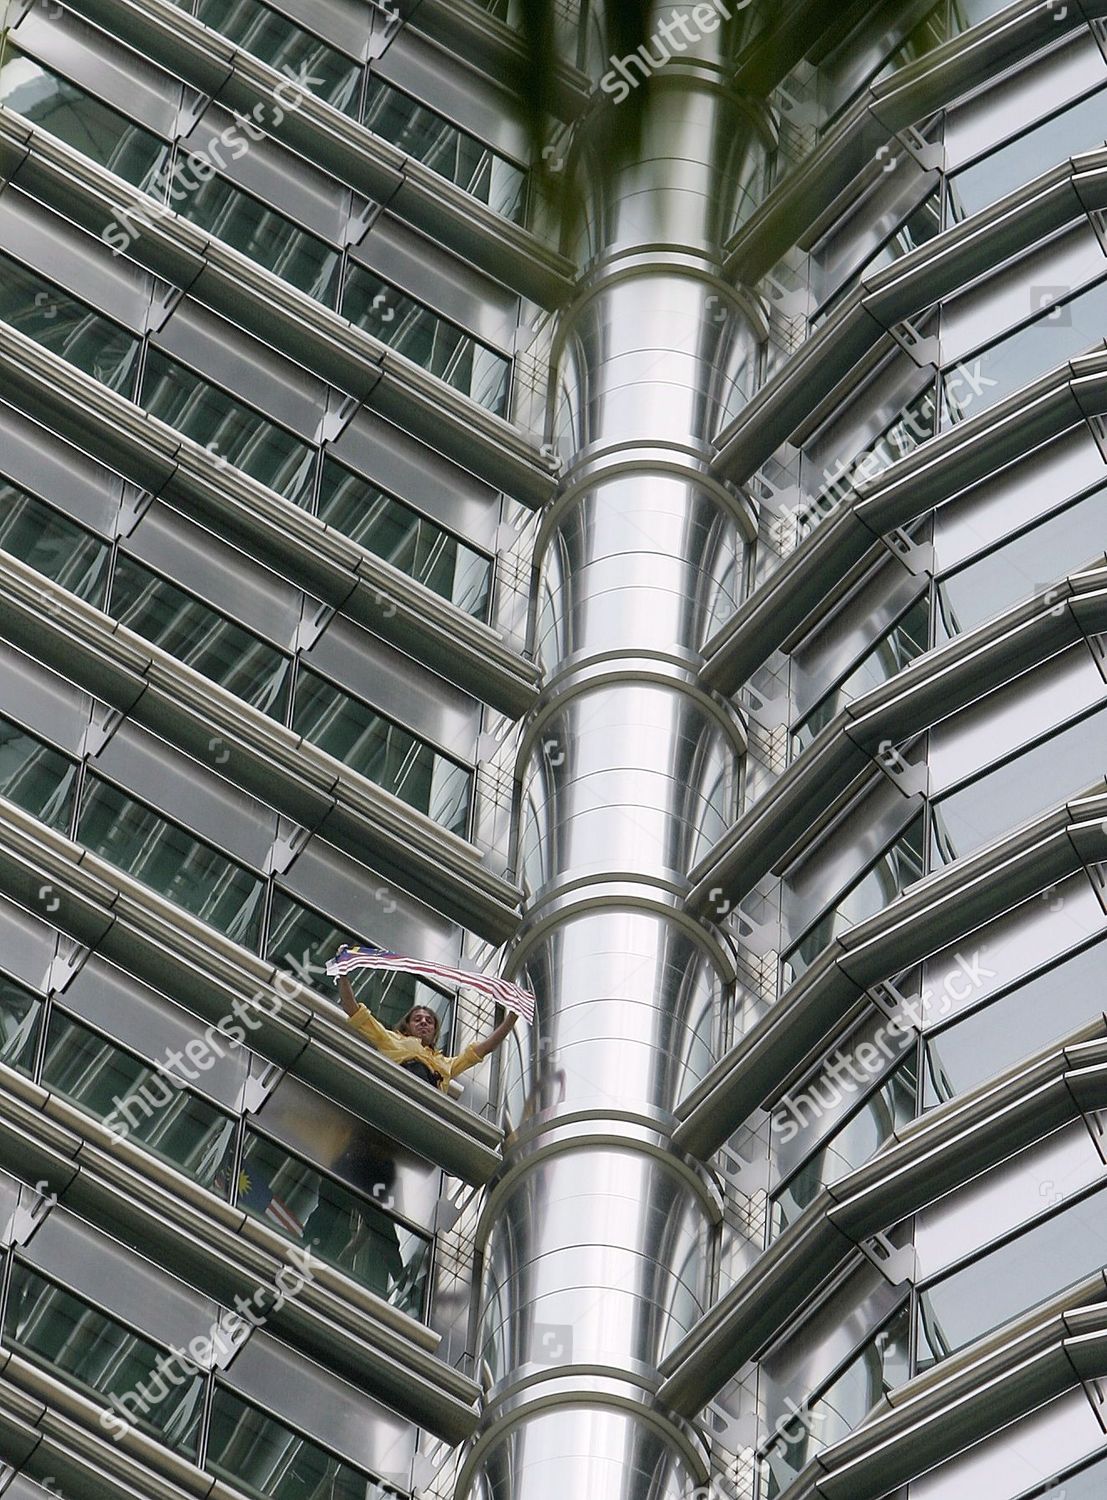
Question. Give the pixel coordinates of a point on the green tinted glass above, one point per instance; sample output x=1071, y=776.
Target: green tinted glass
x=226, y=427
x=171, y=861
x=20, y=1014
x=36, y=777
x=52, y=544
x=198, y=635
x=66, y=327
x=316, y=67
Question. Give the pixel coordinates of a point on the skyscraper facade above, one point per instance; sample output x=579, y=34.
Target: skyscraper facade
x=667, y=565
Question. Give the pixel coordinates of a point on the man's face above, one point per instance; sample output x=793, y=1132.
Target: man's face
x=423, y=1026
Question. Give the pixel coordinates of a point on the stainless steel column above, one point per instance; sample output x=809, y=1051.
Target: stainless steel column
x=597, y=1239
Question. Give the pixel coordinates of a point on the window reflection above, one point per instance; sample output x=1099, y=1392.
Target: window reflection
x=290, y=49
x=86, y=1348
x=67, y=327
x=20, y=1015
x=52, y=544
x=383, y=751
x=226, y=427
x=135, y=1100
x=1010, y=1280
x=426, y=338
x=409, y=541
x=896, y=869
x=896, y=649
x=36, y=777
x=171, y=861
x=199, y=636
x=259, y=1455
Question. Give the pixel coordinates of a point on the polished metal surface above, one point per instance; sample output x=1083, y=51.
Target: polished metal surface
x=596, y=1241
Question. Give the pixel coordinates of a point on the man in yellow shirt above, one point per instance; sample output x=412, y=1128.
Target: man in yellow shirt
x=411, y=1045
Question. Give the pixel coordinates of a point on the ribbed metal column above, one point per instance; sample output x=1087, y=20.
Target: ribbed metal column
x=597, y=1239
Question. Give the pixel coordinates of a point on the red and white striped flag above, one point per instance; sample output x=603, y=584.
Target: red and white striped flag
x=363, y=956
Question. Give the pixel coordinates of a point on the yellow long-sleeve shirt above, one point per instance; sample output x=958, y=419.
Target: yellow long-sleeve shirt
x=401, y=1049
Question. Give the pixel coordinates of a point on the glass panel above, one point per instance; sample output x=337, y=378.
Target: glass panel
x=1081, y=127
x=1062, y=330
x=52, y=1327
x=36, y=777
x=194, y=633
x=880, y=1366
x=897, y=649
x=170, y=861
x=265, y=236
x=340, y=1226
x=921, y=225
x=67, y=327
x=851, y=1146
x=260, y=1456
x=372, y=745
x=1012, y=1279
x=1024, y=567
x=900, y=867
x=426, y=338
x=1042, y=777
x=20, y=1014
x=226, y=427
x=1019, y=1024
x=315, y=66
x=60, y=107
x=445, y=148
x=137, y=1101
x=302, y=938
x=52, y=544
x=406, y=539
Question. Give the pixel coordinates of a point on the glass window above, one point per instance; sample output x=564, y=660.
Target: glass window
x=1024, y=566
x=888, y=878
x=265, y=235
x=53, y=1328
x=317, y=67
x=409, y=541
x=1042, y=777
x=262, y=1457
x=347, y=1230
x=52, y=544
x=108, y=138
x=36, y=777
x=136, y=1100
x=226, y=427
x=445, y=148
x=881, y=1366
x=920, y=225
x=1061, y=330
x=901, y=645
x=851, y=1145
x=1015, y=1026
x=384, y=752
x=42, y=311
x=171, y=861
x=196, y=634
x=20, y=1014
x=426, y=338
x=1081, y=127
x=1010, y=1280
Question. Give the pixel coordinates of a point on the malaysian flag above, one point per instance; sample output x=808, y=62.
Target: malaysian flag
x=364, y=956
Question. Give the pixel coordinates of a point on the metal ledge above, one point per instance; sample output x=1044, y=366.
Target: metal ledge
x=934, y=912
x=324, y=135
x=805, y=586
x=922, y=1162
x=208, y=973
x=886, y=107
x=220, y=277
x=934, y=686
x=289, y=774
x=1018, y=222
